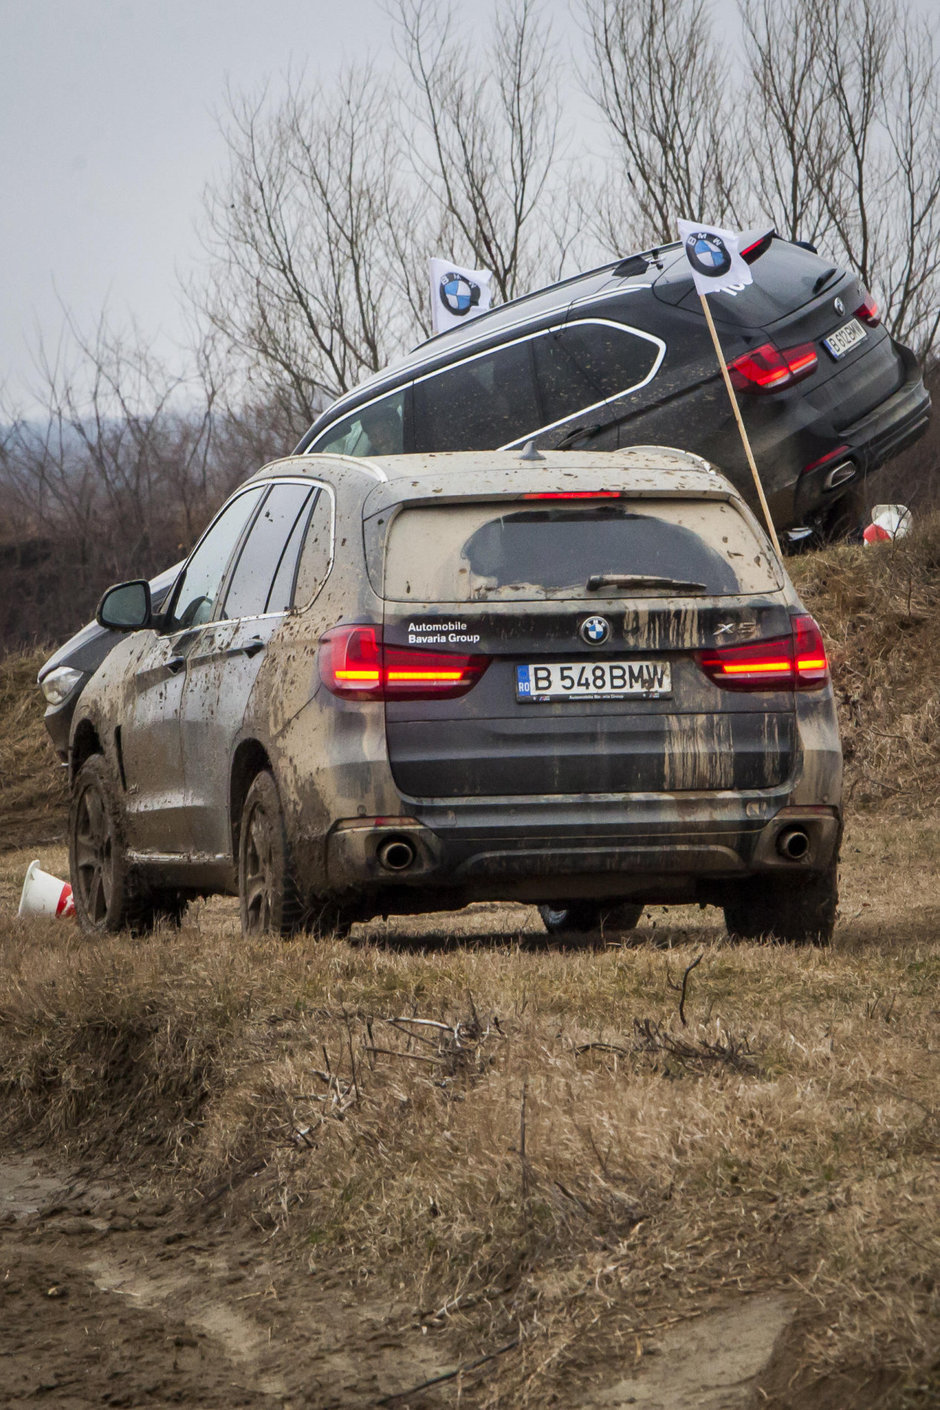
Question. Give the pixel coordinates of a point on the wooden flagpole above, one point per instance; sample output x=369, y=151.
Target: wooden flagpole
x=737, y=416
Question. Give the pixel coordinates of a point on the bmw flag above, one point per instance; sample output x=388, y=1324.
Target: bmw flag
x=714, y=256
x=457, y=294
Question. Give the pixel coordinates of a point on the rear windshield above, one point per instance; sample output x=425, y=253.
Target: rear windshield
x=784, y=278
x=521, y=552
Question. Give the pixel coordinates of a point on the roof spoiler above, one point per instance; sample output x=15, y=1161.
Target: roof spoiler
x=753, y=243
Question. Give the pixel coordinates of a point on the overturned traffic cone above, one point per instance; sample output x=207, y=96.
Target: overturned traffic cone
x=45, y=895
x=888, y=521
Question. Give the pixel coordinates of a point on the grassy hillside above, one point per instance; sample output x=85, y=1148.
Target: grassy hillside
x=880, y=610
x=32, y=782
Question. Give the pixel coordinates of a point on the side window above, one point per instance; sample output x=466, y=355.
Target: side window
x=203, y=574
x=317, y=552
x=564, y=386
x=281, y=596
x=480, y=404
x=376, y=429
x=608, y=358
x=263, y=550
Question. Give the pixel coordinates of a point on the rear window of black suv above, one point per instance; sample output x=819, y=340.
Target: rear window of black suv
x=530, y=552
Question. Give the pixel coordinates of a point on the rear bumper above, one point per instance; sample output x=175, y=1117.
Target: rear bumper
x=895, y=424
x=652, y=847
x=871, y=441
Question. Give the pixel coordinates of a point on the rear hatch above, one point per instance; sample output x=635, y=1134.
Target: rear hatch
x=798, y=300
x=587, y=615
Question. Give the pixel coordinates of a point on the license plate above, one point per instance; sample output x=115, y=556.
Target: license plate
x=844, y=338
x=593, y=680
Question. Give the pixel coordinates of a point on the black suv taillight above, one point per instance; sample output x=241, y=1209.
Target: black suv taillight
x=770, y=369
x=868, y=312
x=795, y=662
x=356, y=664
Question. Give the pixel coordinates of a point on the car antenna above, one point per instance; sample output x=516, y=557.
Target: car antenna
x=530, y=453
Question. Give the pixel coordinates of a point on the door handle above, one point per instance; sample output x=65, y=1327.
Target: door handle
x=175, y=664
x=246, y=648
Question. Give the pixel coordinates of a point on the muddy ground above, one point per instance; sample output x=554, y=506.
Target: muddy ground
x=110, y=1296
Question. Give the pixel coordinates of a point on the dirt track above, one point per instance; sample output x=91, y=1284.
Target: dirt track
x=110, y=1298
x=113, y=1299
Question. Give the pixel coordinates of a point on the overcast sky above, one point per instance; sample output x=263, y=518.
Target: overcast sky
x=108, y=129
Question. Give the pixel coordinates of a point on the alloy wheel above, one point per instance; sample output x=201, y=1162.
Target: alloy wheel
x=259, y=871
x=94, y=854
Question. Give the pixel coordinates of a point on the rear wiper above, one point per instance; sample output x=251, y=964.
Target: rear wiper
x=642, y=580
x=825, y=278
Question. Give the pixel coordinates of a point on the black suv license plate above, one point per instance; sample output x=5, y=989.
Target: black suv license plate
x=845, y=338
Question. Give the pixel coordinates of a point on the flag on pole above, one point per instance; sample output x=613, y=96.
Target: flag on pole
x=714, y=256
x=457, y=294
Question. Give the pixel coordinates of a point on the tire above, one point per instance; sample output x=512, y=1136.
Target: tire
x=844, y=521
x=797, y=909
x=102, y=886
x=584, y=917
x=108, y=894
x=267, y=890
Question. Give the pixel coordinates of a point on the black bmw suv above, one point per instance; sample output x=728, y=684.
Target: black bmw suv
x=622, y=356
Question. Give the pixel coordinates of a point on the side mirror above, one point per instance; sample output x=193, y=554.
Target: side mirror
x=126, y=607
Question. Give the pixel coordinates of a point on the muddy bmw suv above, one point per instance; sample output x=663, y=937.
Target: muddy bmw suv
x=400, y=685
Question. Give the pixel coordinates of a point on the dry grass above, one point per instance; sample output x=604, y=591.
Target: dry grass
x=880, y=610
x=562, y=1160
x=32, y=783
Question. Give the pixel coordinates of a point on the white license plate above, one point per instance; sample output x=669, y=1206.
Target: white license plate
x=844, y=338
x=593, y=680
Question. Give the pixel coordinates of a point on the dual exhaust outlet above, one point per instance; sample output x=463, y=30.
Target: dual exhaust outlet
x=397, y=854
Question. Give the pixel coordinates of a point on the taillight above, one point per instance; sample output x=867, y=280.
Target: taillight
x=768, y=369
x=795, y=662
x=812, y=665
x=868, y=312
x=356, y=664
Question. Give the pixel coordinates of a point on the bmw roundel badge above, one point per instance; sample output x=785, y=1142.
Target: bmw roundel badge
x=708, y=253
x=839, y=306
x=458, y=294
x=595, y=630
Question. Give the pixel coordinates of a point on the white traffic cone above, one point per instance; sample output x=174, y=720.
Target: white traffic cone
x=45, y=895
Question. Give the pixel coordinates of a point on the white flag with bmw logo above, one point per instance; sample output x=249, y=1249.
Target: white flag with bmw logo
x=457, y=294
x=714, y=256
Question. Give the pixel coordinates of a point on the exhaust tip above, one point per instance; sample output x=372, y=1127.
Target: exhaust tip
x=840, y=475
x=793, y=843
x=396, y=854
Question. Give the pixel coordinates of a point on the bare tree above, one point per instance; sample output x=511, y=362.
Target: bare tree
x=307, y=233
x=851, y=157
x=113, y=473
x=657, y=77
x=885, y=199
x=795, y=146
x=489, y=159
